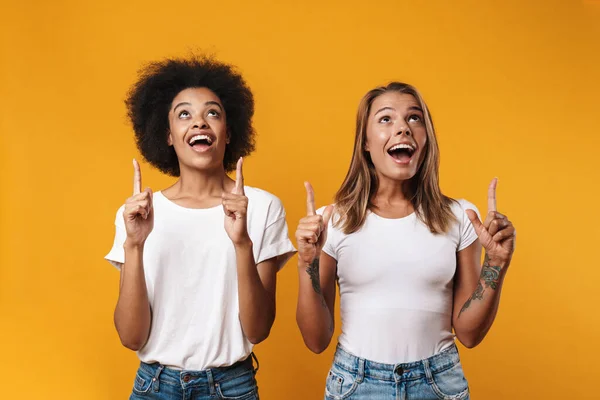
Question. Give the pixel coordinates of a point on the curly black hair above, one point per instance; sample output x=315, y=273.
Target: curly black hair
x=149, y=100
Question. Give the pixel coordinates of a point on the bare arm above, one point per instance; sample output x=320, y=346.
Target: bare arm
x=477, y=290
x=256, y=283
x=316, y=274
x=316, y=301
x=256, y=291
x=132, y=314
x=477, y=287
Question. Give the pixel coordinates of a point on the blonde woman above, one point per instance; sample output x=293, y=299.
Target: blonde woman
x=407, y=260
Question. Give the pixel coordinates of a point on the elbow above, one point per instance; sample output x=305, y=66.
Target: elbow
x=256, y=339
x=132, y=343
x=469, y=344
x=316, y=345
x=315, y=337
x=470, y=340
x=131, y=339
x=257, y=329
x=256, y=336
x=316, y=348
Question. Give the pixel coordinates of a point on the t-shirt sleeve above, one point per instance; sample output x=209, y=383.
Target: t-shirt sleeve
x=467, y=231
x=275, y=241
x=116, y=256
x=329, y=247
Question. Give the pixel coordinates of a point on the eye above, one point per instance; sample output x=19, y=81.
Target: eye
x=183, y=114
x=414, y=117
x=213, y=113
x=385, y=119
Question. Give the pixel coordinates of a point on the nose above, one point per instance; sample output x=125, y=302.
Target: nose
x=200, y=123
x=404, y=129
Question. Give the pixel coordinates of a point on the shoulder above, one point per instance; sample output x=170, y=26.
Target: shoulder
x=332, y=226
x=262, y=197
x=119, y=216
x=261, y=202
x=459, y=206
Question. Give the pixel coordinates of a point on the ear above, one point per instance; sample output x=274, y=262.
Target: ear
x=228, y=136
x=367, y=146
x=170, y=139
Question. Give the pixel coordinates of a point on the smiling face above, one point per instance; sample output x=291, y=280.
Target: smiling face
x=198, y=129
x=396, y=135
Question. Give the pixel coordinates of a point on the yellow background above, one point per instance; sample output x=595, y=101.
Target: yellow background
x=513, y=87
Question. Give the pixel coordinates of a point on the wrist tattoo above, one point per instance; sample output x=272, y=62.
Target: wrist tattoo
x=490, y=275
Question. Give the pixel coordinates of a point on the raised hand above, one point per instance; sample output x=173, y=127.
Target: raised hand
x=235, y=205
x=311, y=233
x=138, y=213
x=496, y=234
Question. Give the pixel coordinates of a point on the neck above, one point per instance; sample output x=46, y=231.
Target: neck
x=392, y=193
x=201, y=183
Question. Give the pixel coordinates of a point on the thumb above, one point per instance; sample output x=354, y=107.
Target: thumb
x=327, y=213
x=151, y=200
x=479, y=228
x=326, y=217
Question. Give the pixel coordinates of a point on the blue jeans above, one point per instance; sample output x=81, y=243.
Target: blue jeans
x=156, y=382
x=439, y=377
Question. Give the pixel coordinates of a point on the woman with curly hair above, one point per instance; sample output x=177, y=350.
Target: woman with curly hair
x=406, y=258
x=198, y=260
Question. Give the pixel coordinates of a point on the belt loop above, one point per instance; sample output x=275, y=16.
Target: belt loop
x=156, y=379
x=257, y=363
x=428, y=373
x=361, y=370
x=211, y=382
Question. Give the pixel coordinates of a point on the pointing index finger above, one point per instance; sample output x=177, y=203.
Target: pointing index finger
x=239, y=177
x=310, y=199
x=492, y=195
x=137, y=178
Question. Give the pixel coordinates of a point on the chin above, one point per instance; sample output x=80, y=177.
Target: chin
x=399, y=176
x=204, y=164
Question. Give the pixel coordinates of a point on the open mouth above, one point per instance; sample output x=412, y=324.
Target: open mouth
x=200, y=142
x=402, y=153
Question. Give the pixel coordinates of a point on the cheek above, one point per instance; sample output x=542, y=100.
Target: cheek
x=376, y=138
x=420, y=136
x=176, y=130
x=220, y=128
x=380, y=136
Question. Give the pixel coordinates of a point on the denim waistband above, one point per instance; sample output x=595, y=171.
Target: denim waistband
x=208, y=376
x=441, y=361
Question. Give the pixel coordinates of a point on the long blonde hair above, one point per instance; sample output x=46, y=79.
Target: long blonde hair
x=354, y=198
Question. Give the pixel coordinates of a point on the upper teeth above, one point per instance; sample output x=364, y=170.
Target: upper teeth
x=402, y=146
x=200, y=137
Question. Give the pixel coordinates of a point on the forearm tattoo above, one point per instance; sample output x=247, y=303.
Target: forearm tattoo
x=490, y=276
x=313, y=271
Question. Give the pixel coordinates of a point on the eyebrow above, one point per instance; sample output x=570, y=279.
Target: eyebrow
x=385, y=108
x=208, y=103
x=214, y=103
x=415, y=108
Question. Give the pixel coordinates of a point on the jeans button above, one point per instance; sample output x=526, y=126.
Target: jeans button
x=186, y=378
x=399, y=370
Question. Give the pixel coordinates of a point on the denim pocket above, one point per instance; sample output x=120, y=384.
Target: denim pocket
x=340, y=384
x=142, y=382
x=241, y=387
x=450, y=384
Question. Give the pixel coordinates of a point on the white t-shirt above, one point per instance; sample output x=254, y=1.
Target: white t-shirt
x=191, y=277
x=396, y=285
